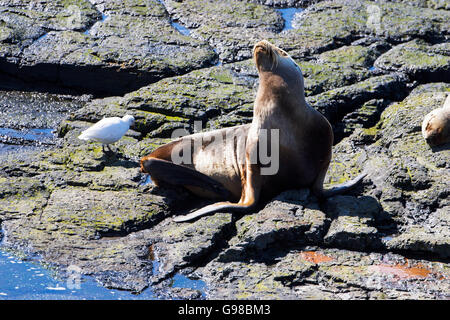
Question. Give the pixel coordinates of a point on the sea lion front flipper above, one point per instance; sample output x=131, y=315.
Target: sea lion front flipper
x=162, y=170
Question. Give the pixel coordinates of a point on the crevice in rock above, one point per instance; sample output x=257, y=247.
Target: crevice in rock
x=175, y=24
x=345, y=107
x=201, y=259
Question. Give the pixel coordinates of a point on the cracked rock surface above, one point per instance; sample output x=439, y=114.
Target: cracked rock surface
x=67, y=65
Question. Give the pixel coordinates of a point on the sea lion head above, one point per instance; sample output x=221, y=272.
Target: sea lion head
x=273, y=61
x=267, y=56
x=436, y=127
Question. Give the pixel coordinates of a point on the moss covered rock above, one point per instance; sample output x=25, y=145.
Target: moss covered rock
x=75, y=205
x=419, y=60
x=312, y=274
x=131, y=47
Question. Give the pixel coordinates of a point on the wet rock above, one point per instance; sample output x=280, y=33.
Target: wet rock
x=434, y=4
x=336, y=103
x=151, y=8
x=291, y=218
x=45, y=15
x=68, y=223
x=233, y=22
x=286, y=3
x=337, y=68
x=364, y=117
x=173, y=103
x=430, y=238
x=323, y=26
x=345, y=20
x=178, y=246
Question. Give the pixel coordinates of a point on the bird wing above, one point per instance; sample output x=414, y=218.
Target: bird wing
x=104, y=130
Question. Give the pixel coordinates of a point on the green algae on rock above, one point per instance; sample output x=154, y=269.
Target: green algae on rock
x=418, y=59
x=311, y=273
x=74, y=205
x=127, y=48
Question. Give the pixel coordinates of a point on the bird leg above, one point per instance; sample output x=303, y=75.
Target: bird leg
x=108, y=151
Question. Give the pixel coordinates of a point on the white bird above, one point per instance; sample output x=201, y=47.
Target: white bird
x=108, y=130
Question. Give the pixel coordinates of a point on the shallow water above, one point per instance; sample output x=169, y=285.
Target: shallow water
x=288, y=15
x=104, y=18
x=14, y=141
x=182, y=29
x=146, y=180
x=36, y=135
x=28, y=280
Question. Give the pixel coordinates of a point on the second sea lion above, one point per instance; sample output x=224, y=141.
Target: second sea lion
x=436, y=125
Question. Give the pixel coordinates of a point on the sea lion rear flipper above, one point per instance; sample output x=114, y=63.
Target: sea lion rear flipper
x=344, y=187
x=212, y=208
x=162, y=170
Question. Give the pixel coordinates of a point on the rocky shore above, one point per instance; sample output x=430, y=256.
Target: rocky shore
x=373, y=68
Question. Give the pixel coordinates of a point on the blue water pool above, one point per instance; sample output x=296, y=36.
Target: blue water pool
x=288, y=15
x=30, y=280
x=25, y=280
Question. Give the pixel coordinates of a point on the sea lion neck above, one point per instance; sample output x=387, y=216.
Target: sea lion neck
x=275, y=92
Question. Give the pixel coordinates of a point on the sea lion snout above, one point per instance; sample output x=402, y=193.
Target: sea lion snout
x=431, y=140
x=436, y=125
x=267, y=56
x=264, y=55
x=261, y=46
x=434, y=138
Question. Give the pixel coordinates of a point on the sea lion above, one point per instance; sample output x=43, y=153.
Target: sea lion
x=234, y=170
x=436, y=125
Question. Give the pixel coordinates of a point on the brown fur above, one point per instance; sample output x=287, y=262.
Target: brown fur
x=305, y=139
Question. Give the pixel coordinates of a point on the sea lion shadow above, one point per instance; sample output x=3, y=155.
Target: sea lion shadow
x=121, y=162
x=440, y=148
x=270, y=246
x=178, y=199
